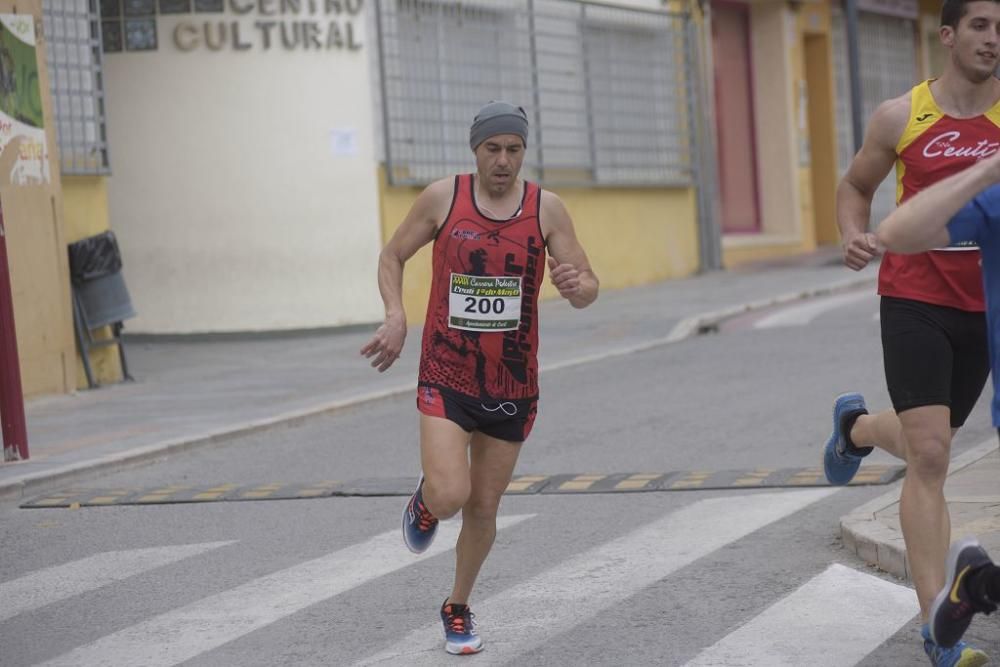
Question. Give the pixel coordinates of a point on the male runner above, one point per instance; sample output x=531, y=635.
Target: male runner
x=933, y=331
x=942, y=215
x=478, y=383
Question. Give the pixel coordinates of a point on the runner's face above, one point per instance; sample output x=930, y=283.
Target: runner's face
x=975, y=44
x=498, y=160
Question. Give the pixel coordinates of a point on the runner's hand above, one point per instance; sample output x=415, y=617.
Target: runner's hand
x=565, y=277
x=860, y=249
x=387, y=343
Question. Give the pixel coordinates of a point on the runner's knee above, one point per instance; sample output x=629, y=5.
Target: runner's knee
x=928, y=453
x=446, y=497
x=482, y=506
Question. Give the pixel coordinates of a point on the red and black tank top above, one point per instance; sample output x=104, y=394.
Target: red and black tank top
x=481, y=334
x=935, y=146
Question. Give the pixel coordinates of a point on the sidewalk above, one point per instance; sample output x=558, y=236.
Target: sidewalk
x=192, y=392
x=872, y=531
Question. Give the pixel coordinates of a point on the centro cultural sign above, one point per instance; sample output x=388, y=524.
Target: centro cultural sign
x=291, y=25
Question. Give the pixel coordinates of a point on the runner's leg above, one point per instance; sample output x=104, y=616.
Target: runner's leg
x=923, y=512
x=493, y=463
x=445, y=461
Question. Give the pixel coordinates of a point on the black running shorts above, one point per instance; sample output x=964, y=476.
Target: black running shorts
x=508, y=419
x=934, y=355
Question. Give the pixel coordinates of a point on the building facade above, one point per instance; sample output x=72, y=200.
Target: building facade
x=252, y=156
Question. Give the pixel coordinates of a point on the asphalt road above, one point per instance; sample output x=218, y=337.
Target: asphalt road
x=731, y=576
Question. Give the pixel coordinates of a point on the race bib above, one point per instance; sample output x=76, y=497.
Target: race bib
x=484, y=303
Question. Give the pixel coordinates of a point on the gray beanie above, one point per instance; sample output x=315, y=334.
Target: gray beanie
x=498, y=118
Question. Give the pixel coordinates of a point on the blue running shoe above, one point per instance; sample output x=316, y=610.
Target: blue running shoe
x=839, y=464
x=955, y=605
x=460, y=636
x=419, y=525
x=959, y=655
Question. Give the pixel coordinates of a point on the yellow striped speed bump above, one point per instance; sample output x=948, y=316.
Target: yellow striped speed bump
x=639, y=482
x=580, y=482
x=527, y=484
x=691, y=480
x=753, y=478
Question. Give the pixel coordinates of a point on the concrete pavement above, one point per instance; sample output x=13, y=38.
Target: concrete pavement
x=194, y=391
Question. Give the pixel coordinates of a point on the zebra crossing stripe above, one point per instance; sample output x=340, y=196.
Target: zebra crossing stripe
x=835, y=619
x=185, y=633
x=578, y=589
x=807, y=311
x=43, y=587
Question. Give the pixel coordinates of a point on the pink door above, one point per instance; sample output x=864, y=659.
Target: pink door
x=734, y=118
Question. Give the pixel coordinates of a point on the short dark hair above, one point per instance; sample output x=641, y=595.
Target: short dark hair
x=952, y=11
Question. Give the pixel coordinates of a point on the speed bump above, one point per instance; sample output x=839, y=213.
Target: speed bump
x=563, y=484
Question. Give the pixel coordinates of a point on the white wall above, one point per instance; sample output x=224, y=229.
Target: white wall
x=232, y=209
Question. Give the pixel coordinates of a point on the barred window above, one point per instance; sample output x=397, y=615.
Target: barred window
x=441, y=52
x=130, y=25
x=606, y=88
x=77, y=84
x=638, y=100
x=887, y=48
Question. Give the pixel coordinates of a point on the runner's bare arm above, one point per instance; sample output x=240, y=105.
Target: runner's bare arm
x=922, y=222
x=569, y=268
x=867, y=170
x=416, y=231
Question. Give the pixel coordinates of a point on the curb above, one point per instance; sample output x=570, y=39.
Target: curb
x=881, y=545
x=19, y=487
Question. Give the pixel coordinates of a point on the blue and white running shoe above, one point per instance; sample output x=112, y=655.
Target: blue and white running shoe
x=460, y=636
x=959, y=655
x=839, y=464
x=419, y=525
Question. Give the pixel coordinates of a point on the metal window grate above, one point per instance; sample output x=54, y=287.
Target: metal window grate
x=607, y=88
x=888, y=48
x=72, y=31
x=845, y=133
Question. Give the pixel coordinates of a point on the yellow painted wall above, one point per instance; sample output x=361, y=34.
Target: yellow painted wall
x=36, y=248
x=85, y=199
x=804, y=150
x=821, y=88
x=749, y=252
x=632, y=236
x=39, y=274
x=635, y=236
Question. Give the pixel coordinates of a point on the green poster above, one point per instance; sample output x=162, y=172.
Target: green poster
x=21, y=115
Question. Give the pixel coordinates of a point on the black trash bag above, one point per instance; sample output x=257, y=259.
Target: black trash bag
x=94, y=257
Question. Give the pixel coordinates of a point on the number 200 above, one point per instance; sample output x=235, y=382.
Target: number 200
x=484, y=305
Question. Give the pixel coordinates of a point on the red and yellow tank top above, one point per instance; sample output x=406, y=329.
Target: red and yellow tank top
x=481, y=334
x=935, y=146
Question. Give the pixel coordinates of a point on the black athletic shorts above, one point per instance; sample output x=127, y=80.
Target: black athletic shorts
x=507, y=419
x=934, y=355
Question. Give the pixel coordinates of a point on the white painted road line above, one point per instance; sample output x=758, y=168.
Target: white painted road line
x=44, y=587
x=806, y=312
x=185, y=633
x=522, y=617
x=834, y=620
